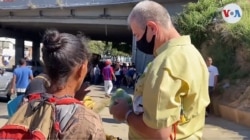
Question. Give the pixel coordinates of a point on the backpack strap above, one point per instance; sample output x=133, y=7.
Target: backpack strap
x=44, y=78
x=67, y=101
x=38, y=97
x=174, y=129
x=43, y=97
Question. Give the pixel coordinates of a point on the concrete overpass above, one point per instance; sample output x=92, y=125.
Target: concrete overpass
x=97, y=19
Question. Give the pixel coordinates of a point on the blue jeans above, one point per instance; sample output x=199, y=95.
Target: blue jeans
x=96, y=79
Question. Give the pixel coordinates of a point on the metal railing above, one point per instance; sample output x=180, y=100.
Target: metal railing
x=38, y=4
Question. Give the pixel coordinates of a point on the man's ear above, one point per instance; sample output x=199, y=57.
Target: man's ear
x=152, y=26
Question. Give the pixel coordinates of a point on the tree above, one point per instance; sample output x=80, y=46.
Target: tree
x=204, y=23
x=195, y=18
x=97, y=47
x=123, y=47
x=109, y=48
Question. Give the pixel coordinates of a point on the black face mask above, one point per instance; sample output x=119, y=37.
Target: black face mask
x=145, y=46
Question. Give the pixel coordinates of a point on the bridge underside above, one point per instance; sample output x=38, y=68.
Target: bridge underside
x=116, y=33
x=98, y=22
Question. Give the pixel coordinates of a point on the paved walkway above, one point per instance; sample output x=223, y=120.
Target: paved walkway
x=215, y=129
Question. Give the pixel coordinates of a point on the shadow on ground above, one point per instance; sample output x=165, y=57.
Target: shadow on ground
x=103, y=97
x=4, y=117
x=225, y=124
x=101, y=88
x=110, y=120
x=3, y=99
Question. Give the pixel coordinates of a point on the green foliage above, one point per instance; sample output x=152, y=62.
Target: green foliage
x=197, y=21
x=240, y=31
x=238, y=75
x=123, y=47
x=231, y=37
x=100, y=47
x=195, y=18
x=96, y=47
x=223, y=58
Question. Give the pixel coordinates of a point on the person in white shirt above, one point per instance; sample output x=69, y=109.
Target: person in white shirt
x=213, y=78
x=213, y=74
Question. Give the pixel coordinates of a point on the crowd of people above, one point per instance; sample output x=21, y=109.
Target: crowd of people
x=170, y=97
x=125, y=74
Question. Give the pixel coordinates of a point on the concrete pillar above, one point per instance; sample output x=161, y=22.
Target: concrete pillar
x=19, y=47
x=133, y=49
x=138, y=57
x=36, y=50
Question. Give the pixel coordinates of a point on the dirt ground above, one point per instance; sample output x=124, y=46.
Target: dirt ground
x=236, y=95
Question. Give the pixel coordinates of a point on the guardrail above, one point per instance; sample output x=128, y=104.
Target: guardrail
x=33, y=4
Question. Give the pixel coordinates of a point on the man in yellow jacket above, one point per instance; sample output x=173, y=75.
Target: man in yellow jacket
x=175, y=84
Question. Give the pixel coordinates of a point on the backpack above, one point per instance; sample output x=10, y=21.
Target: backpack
x=36, y=119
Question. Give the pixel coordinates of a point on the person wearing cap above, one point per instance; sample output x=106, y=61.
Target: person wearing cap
x=173, y=89
x=108, y=76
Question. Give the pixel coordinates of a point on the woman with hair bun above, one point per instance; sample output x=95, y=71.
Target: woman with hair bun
x=66, y=59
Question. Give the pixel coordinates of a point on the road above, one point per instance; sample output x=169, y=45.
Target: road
x=215, y=129
x=3, y=111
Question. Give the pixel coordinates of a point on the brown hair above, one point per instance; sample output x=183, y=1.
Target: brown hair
x=61, y=53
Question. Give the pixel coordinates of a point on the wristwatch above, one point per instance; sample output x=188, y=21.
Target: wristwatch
x=127, y=114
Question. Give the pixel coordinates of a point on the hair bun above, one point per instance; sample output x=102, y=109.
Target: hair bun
x=51, y=40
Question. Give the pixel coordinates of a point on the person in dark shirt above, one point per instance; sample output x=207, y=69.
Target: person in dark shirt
x=38, y=85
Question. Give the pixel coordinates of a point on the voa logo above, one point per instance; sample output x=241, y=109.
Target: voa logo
x=231, y=13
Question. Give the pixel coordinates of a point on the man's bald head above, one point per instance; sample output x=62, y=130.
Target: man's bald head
x=149, y=11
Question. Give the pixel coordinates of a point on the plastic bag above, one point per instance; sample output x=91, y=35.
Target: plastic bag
x=137, y=105
x=121, y=94
x=14, y=104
